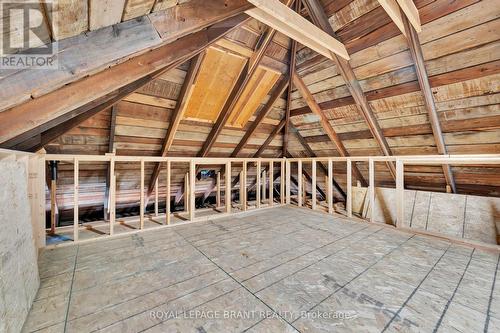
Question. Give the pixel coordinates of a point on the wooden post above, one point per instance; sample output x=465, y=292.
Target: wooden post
x=371, y=188
x=299, y=183
x=156, y=197
x=288, y=176
x=217, y=193
x=142, y=196
x=243, y=187
x=263, y=197
x=186, y=193
x=167, y=195
x=228, y=187
x=258, y=184
x=304, y=190
x=282, y=182
x=313, y=185
x=271, y=185
x=349, y=189
x=400, y=192
x=75, y=202
x=53, y=193
x=192, y=189
x=329, y=187
x=112, y=197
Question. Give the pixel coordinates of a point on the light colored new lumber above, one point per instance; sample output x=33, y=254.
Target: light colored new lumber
x=271, y=181
x=371, y=188
x=288, y=183
x=313, y=184
x=141, y=208
x=167, y=195
x=282, y=182
x=349, y=189
x=192, y=192
x=258, y=184
x=400, y=192
x=75, y=201
x=112, y=197
x=278, y=16
x=411, y=12
x=330, y=186
x=228, y=187
x=392, y=9
x=156, y=197
x=217, y=193
x=264, y=185
x=299, y=183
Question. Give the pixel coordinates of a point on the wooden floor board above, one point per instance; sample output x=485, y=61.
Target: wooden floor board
x=291, y=263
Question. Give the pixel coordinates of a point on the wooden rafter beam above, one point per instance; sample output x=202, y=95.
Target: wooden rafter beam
x=293, y=59
x=178, y=113
x=278, y=90
x=325, y=123
x=398, y=10
x=319, y=18
x=278, y=16
x=85, y=94
x=270, y=138
x=111, y=145
x=423, y=80
x=238, y=88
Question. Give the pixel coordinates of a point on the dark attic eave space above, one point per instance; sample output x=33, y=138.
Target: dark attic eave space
x=239, y=96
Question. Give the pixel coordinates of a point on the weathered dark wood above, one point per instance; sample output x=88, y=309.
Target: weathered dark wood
x=277, y=92
x=311, y=153
x=320, y=19
x=292, y=64
x=423, y=80
x=86, y=94
x=177, y=115
x=111, y=143
x=270, y=138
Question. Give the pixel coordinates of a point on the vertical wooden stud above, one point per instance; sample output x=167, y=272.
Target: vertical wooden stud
x=400, y=192
x=142, y=196
x=192, y=189
x=53, y=194
x=264, y=185
x=329, y=187
x=243, y=187
x=186, y=193
x=349, y=189
x=288, y=176
x=282, y=182
x=271, y=181
x=371, y=188
x=258, y=184
x=228, y=187
x=299, y=183
x=112, y=197
x=217, y=193
x=156, y=197
x=167, y=195
x=75, y=201
x=313, y=185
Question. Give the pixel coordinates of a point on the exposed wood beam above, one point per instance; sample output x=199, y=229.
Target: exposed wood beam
x=111, y=144
x=277, y=92
x=240, y=85
x=323, y=168
x=278, y=16
x=410, y=10
x=325, y=123
x=319, y=18
x=85, y=94
x=293, y=52
x=270, y=138
x=391, y=7
x=423, y=80
x=178, y=113
x=85, y=54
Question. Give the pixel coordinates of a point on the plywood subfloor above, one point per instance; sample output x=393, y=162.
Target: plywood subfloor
x=279, y=270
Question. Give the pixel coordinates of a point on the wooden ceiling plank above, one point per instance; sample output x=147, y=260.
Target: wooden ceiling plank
x=319, y=18
x=184, y=95
x=325, y=123
x=92, y=91
x=311, y=152
x=423, y=80
x=391, y=7
x=277, y=92
x=410, y=10
x=278, y=16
